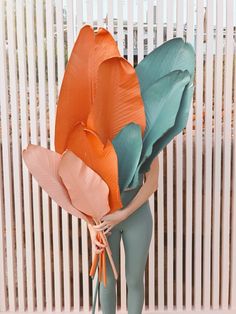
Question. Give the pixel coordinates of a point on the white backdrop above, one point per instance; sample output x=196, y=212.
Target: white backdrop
x=45, y=254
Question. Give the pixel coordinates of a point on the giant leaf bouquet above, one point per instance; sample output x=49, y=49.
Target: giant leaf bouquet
x=111, y=122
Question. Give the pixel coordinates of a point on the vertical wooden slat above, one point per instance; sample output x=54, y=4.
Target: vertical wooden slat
x=159, y=22
x=6, y=155
x=198, y=159
x=60, y=43
x=16, y=153
x=150, y=25
x=120, y=27
x=160, y=193
x=233, y=215
x=52, y=111
x=34, y=139
x=110, y=17
x=3, y=268
x=90, y=12
x=189, y=176
x=227, y=154
x=179, y=187
x=123, y=294
x=170, y=174
x=208, y=158
x=21, y=44
x=217, y=156
x=130, y=51
x=44, y=143
x=140, y=43
x=85, y=266
x=79, y=8
x=100, y=13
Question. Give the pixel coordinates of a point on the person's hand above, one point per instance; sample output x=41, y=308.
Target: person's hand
x=98, y=246
x=110, y=220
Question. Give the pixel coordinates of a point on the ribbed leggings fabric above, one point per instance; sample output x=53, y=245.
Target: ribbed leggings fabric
x=136, y=233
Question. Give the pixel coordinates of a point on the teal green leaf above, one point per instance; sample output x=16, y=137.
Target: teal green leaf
x=161, y=102
x=180, y=124
x=128, y=146
x=173, y=54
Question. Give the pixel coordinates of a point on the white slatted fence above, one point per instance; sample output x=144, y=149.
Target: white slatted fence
x=45, y=254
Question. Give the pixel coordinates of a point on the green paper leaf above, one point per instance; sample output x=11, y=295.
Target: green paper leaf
x=180, y=124
x=128, y=146
x=162, y=101
x=173, y=54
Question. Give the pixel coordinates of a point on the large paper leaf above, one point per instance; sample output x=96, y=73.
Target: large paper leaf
x=162, y=101
x=86, y=188
x=118, y=100
x=78, y=87
x=128, y=146
x=180, y=123
x=43, y=165
x=173, y=54
x=86, y=144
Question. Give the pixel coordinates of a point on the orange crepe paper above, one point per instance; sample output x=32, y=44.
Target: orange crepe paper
x=117, y=101
x=79, y=81
x=99, y=259
x=94, y=265
x=100, y=90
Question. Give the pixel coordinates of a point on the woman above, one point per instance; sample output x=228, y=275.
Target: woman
x=134, y=224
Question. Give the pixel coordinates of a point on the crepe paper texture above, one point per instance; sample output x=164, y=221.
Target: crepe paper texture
x=111, y=121
x=166, y=77
x=72, y=185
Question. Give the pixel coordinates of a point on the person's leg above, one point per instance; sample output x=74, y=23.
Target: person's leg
x=136, y=235
x=107, y=294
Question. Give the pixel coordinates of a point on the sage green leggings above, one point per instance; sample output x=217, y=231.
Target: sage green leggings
x=136, y=233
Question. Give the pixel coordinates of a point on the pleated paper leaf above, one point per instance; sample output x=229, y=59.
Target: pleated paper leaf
x=43, y=164
x=179, y=55
x=128, y=146
x=162, y=101
x=118, y=100
x=173, y=54
x=86, y=144
x=180, y=124
x=161, y=104
x=86, y=188
x=79, y=82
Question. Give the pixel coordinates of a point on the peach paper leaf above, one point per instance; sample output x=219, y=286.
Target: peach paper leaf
x=87, y=190
x=43, y=164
